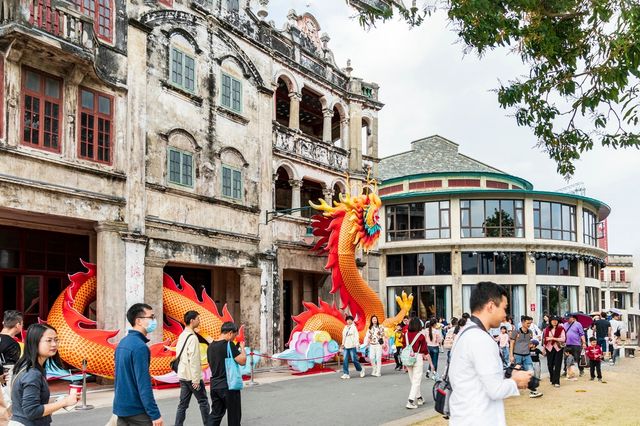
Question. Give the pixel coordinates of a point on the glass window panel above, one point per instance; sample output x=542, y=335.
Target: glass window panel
x=394, y=266
x=541, y=266
x=464, y=217
x=104, y=105
x=487, y=264
x=545, y=215
x=409, y=265
x=464, y=204
x=507, y=213
x=433, y=233
x=416, y=211
x=469, y=263
x=517, y=263
x=520, y=218
x=519, y=204
x=444, y=218
x=226, y=181
x=87, y=99
x=492, y=209
x=432, y=215
x=445, y=233
x=33, y=81
x=566, y=214
x=477, y=232
x=477, y=213
x=502, y=264
x=426, y=264
x=444, y=204
x=465, y=233
x=556, y=216
x=546, y=233
x=443, y=263
x=52, y=88
x=402, y=217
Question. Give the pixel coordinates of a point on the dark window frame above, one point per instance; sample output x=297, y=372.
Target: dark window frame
x=420, y=232
x=589, y=236
x=97, y=116
x=486, y=263
x=181, y=166
x=550, y=266
x=516, y=231
x=539, y=231
x=434, y=266
x=43, y=99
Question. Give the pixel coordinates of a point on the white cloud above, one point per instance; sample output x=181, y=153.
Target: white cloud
x=429, y=86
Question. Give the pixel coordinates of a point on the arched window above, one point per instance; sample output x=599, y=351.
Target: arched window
x=283, y=190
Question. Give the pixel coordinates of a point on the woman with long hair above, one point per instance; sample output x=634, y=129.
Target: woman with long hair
x=375, y=339
x=554, y=338
x=434, y=339
x=30, y=391
x=415, y=338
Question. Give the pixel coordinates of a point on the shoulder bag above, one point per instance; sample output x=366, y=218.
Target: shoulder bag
x=442, y=387
x=408, y=355
x=234, y=377
x=176, y=362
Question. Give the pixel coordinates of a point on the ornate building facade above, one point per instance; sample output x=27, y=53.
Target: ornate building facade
x=173, y=136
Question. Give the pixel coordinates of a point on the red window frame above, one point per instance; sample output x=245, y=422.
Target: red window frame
x=101, y=11
x=622, y=276
x=613, y=275
x=42, y=107
x=97, y=129
x=602, y=275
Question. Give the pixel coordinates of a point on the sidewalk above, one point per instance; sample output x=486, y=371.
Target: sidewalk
x=582, y=402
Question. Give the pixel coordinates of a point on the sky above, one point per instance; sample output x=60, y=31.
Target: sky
x=429, y=86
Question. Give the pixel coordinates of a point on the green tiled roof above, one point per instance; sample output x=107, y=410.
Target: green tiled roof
x=433, y=154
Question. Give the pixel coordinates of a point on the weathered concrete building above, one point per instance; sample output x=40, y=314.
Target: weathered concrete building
x=172, y=136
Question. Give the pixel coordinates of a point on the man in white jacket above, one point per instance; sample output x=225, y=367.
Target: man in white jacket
x=190, y=370
x=475, y=370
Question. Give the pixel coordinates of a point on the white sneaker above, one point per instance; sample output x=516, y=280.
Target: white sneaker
x=362, y=373
x=345, y=376
x=419, y=401
x=410, y=405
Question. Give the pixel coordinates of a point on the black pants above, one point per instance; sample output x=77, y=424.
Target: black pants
x=137, y=420
x=225, y=400
x=595, y=365
x=576, y=350
x=186, y=390
x=554, y=363
x=396, y=356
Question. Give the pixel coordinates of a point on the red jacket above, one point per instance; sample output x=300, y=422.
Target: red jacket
x=594, y=352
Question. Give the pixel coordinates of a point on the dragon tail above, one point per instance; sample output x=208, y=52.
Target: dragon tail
x=320, y=317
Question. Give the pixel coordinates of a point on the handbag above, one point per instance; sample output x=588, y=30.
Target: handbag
x=234, y=377
x=583, y=359
x=442, y=387
x=176, y=362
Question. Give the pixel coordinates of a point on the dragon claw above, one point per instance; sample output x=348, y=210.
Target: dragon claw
x=404, y=301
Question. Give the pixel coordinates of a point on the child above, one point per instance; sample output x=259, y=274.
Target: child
x=594, y=353
x=503, y=343
x=535, y=353
x=399, y=345
x=572, y=368
x=616, y=342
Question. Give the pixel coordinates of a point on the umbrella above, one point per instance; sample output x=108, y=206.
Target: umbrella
x=615, y=311
x=595, y=313
x=584, y=319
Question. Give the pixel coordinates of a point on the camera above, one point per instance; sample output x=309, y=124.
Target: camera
x=534, y=382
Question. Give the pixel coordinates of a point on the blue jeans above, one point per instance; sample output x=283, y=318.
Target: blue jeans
x=524, y=361
x=505, y=356
x=351, y=352
x=434, y=353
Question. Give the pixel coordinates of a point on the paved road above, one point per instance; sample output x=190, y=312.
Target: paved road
x=318, y=400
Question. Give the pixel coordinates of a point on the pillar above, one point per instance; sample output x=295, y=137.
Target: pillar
x=456, y=282
x=111, y=303
x=250, y=294
x=344, y=133
x=355, y=137
x=328, y=195
x=136, y=134
x=296, y=185
x=327, y=115
x=373, y=149
x=153, y=278
x=294, y=110
x=531, y=296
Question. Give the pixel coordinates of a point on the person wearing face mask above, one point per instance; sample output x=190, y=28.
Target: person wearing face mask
x=133, y=400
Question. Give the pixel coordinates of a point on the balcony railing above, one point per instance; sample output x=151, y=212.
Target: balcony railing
x=292, y=143
x=56, y=17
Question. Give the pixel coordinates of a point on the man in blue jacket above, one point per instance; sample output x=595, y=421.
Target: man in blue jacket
x=133, y=401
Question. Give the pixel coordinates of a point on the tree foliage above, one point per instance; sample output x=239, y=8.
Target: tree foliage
x=583, y=56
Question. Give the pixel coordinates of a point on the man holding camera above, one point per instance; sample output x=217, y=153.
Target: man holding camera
x=476, y=375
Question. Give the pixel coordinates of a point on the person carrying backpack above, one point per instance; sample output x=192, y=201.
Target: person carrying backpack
x=413, y=356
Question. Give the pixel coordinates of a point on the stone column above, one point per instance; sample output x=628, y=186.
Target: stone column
x=327, y=115
x=153, y=278
x=373, y=149
x=296, y=185
x=136, y=134
x=456, y=283
x=328, y=195
x=355, y=137
x=250, y=294
x=531, y=295
x=344, y=133
x=111, y=302
x=294, y=110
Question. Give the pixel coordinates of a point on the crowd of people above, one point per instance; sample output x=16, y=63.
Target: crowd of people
x=28, y=401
